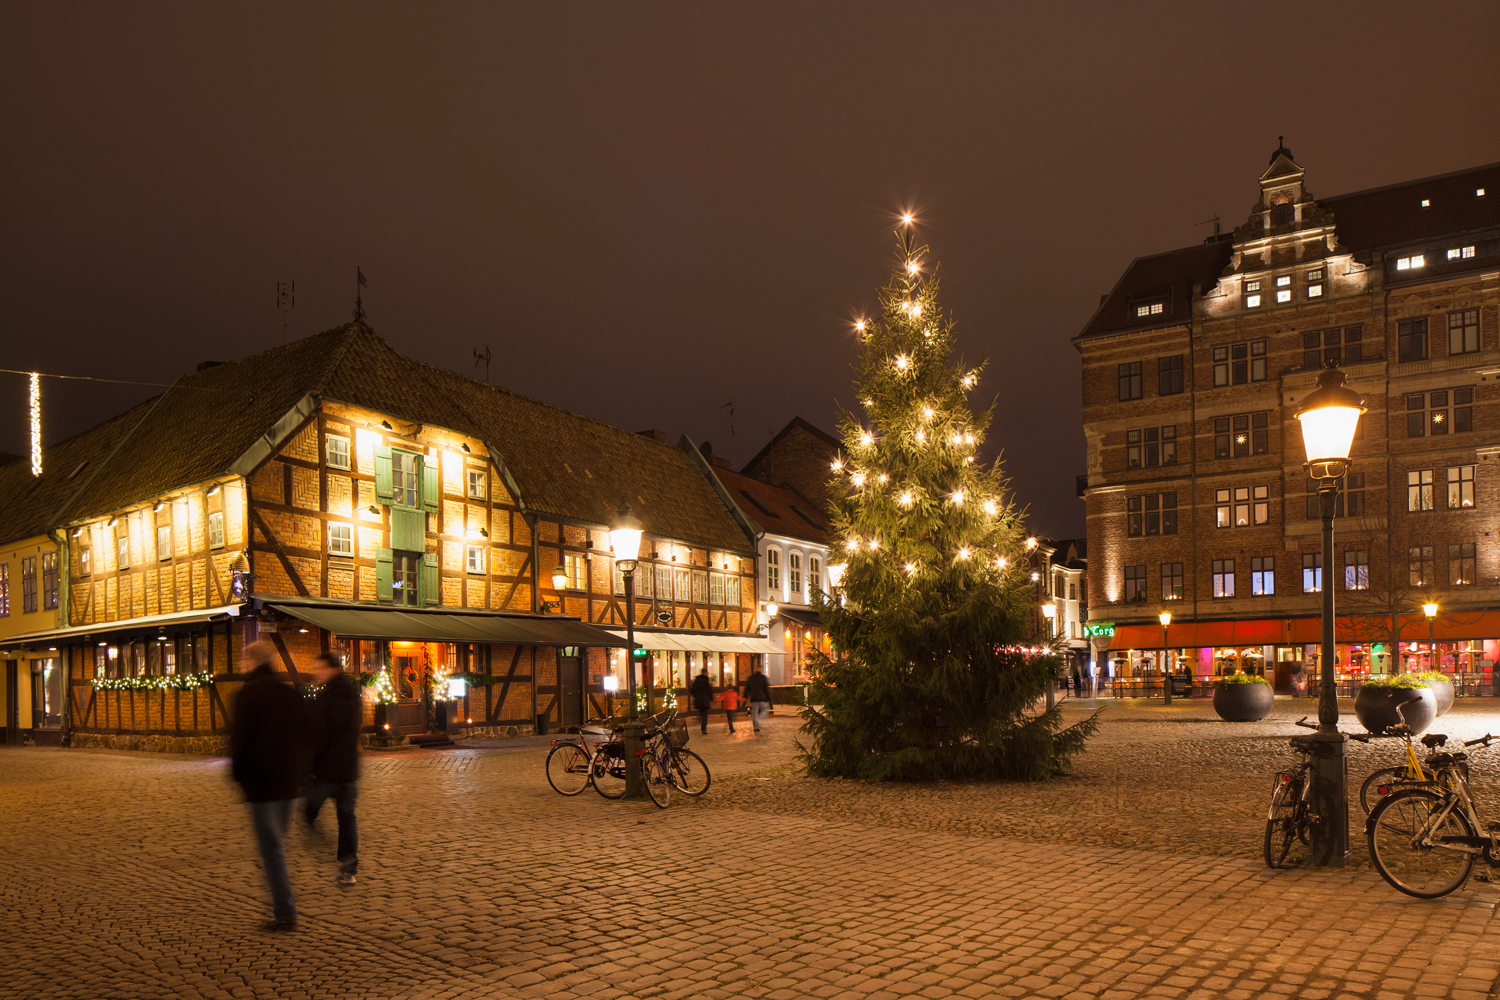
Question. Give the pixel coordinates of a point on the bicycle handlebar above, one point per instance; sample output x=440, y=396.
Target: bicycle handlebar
x=1361, y=737
x=1482, y=741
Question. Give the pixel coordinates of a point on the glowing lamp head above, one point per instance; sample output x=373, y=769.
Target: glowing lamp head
x=771, y=608
x=1430, y=609
x=963, y=553
x=921, y=436
x=559, y=577
x=1165, y=618
x=1050, y=610
x=1329, y=416
x=611, y=683
x=989, y=506
x=927, y=413
x=837, y=465
x=858, y=479
x=836, y=573
x=625, y=536
x=912, y=267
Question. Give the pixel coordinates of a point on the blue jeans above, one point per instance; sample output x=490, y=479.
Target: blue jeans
x=758, y=710
x=343, y=795
x=271, y=820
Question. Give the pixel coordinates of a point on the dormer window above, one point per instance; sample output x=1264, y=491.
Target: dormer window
x=1426, y=202
x=1281, y=214
x=1146, y=309
x=1460, y=253
x=1407, y=263
x=1479, y=192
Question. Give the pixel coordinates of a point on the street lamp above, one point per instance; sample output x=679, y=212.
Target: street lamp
x=1049, y=611
x=1430, y=609
x=836, y=574
x=1166, y=620
x=1329, y=416
x=625, y=546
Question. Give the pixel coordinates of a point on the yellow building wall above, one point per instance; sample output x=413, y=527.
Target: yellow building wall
x=18, y=621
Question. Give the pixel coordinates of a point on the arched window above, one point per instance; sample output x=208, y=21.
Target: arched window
x=794, y=571
x=773, y=570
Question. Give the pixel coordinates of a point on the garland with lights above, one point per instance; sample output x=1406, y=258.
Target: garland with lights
x=154, y=682
x=937, y=664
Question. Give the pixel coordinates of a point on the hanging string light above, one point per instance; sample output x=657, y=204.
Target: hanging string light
x=963, y=553
x=36, y=423
x=905, y=499
x=858, y=479
x=867, y=439
x=989, y=506
x=958, y=497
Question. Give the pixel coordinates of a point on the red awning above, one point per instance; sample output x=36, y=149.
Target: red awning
x=1349, y=630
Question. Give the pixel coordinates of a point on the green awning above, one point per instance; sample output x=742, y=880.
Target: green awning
x=443, y=626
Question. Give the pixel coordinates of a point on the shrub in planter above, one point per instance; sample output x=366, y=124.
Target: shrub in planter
x=1243, y=698
x=1384, y=701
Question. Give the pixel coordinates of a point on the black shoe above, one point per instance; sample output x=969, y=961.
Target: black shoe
x=279, y=925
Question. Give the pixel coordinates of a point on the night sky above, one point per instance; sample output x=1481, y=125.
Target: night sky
x=645, y=212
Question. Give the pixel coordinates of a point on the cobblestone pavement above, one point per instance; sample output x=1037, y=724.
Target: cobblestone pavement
x=134, y=875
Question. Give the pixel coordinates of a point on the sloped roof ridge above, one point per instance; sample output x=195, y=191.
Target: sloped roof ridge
x=796, y=421
x=1404, y=184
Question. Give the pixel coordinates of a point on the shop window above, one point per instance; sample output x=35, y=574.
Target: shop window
x=1312, y=572
x=1419, y=490
x=1135, y=583
x=1262, y=575
x=1356, y=569
x=1171, y=582
x=1421, y=565
x=1460, y=487
x=1223, y=573
x=1461, y=564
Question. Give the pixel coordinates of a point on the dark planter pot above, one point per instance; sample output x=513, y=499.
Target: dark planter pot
x=1443, y=691
x=1376, y=707
x=1243, y=702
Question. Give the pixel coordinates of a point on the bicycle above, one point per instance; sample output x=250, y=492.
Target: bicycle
x=574, y=764
x=1290, y=817
x=688, y=771
x=1423, y=839
x=1413, y=773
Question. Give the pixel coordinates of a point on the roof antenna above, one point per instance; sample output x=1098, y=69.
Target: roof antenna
x=359, y=303
x=1215, y=221
x=485, y=357
x=286, y=298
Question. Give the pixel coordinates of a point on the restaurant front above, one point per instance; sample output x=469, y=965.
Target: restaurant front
x=670, y=658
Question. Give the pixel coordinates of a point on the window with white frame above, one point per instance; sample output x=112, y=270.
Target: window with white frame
x=773, y=570
x=1407, y=263
x=814, y=574
x=338, y=452
x=731, y=591
x=1284, y=288
x=1460, y=253
x=700, y=586
x=476, y=484
x=682, y=586
x=1315, y=283
x=163, y=542
x=577, y=569
x=340, y=539
x=475, y=560
x=216, y=530
x=716, y=588
x=663, y=582
x=794, y=571
x=122, y=552
x=1252, y=294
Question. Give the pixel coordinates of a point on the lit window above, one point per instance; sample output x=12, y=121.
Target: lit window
x=163, y=542
x=576, y=568
x=1407, y=263
x=1316, y=275
x=1315, y=291
x=1154, y=309
x=476, y=484
x=1284, y=281
x=216, y=530
x=1479, y=192
x=1284, y=295
x=476, y=559
x=1251, y=301
x=1426, y=203
x=340, y=540
x=1252, y=286
x=338, y=452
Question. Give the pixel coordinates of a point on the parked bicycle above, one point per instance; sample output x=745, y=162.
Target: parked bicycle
x=589, y=759
x=1289, y=820
x=1413, y=773
x=1425, y=839
x=687, y=771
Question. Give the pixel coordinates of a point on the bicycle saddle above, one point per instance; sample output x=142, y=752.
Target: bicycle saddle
x=1302, y=743
x=1434, y=740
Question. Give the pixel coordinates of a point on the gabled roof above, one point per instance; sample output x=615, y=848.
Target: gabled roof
x=796, y=423
x=29, y=505
x=1364, y=221
x=572, y=467
x=777, y=510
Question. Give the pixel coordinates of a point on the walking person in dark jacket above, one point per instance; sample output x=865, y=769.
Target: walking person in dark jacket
x=758, y=693
x=267, y=748
x=338, y=711
x=703, y=699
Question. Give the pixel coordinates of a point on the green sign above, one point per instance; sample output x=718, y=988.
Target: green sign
x=638, y=652
x=1098, y=628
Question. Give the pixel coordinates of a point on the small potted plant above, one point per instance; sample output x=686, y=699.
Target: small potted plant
x=1386, y=700
x=1243, y=697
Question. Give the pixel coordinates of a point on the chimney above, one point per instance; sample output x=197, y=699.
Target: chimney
x=204, y=366
x=720, y=462
x=654, y=435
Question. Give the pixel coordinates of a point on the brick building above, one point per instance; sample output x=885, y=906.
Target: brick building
x=331, y=494
x=1197, y=501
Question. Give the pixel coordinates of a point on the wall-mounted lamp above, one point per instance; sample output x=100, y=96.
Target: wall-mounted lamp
x=771, y=608
x=484, y=532
x=559, y=577
x=112, y=522
x=467, y=449
x=156, y=507
x=76, y=533
x=387, y=425
x=373, y=509
x=213, y=489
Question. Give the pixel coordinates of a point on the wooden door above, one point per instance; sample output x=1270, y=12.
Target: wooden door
x=411, y=713
x=570, y=689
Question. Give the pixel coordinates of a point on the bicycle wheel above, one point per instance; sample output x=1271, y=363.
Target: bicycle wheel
x=1283, y=821
x=689, y=774
x=1389, y=779
x=609, y=773
x=1402, y=857
x=568, y=769
x=658, y=781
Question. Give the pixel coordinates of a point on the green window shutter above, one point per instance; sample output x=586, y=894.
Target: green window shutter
x=431, y=592
x=429, y=486
x=383, y=474
x=383, y=576
x=408, y=530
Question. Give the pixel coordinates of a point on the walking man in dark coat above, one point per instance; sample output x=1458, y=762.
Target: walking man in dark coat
x=338, y=712
x=267, y=749
x=758, y=691
x=703, y=699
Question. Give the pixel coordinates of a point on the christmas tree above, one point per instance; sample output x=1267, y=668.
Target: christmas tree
x=935, y=670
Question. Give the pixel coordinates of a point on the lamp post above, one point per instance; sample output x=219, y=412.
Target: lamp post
x=1430, y=609
x=1166, y=620
x=1049, y=611
x=1329, y=416
x=625, y=546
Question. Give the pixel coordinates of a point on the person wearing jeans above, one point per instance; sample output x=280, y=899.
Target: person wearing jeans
x=338, y=709
x=758, y=691
x=266, y=747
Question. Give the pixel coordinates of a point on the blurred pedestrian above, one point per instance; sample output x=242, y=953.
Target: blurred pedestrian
x=703, y=699
x=730, y=699
x=758, y=689
x=338, y=712
x=267, y=748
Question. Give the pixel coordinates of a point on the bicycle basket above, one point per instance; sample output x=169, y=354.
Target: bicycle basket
x=676, y=734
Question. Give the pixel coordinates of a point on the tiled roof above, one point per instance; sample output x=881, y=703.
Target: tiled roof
x=1364, y=221
x=778, y=510
x=752, y=467
x=573, y=467
x=30, y=504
